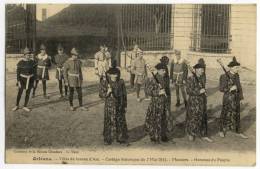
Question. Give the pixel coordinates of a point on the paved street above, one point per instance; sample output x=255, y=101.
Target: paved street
x=50, y=124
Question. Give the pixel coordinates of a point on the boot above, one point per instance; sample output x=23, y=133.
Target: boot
x=178, y=103
x=185, y=103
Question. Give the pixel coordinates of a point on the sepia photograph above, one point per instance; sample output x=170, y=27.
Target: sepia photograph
x=149, y=84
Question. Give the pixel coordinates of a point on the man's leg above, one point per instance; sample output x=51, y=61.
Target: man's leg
x=66, y=88
x=177, y=95
x=132, y=79
x=44, y=87
x=60, y=87
x=138, y=88
x=35, y=87
x=19, y=94
x=79, y=91
x=27, y=96
x=71, y=97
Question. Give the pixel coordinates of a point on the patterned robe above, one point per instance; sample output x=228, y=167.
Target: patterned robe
x=230, y=114
x=115, y=126
x=168, y=93
x=156, y=121
x=43, y=61
x=196, y=117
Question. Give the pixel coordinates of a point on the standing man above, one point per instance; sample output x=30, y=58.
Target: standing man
x=102, y=62
x=139, y=69
x=136, y=51
x=59, y=60
x=73, y=78
x=26, y=74
x=155, y=121
x=178, y=75
x=196, y=113
x=108, y=56
x=44, y=63
x=113, y=90
x=233, y=94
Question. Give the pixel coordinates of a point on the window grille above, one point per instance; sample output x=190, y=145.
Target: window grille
x=211, y=28
x=148, y=25
x=20, y=27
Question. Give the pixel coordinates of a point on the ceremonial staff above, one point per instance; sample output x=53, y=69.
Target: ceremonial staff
x=196, y=77
x=155, y=78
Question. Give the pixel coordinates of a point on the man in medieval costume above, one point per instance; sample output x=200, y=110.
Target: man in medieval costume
x=43, y=65
x=113, y=90
x=178, y=75
x=140, y=71
x=229, y=84
x=157, y=112
x=196, y=117
x=59, y=60
x=102, y=62
x=73, y=78
x=26, y=74
x=133, y=55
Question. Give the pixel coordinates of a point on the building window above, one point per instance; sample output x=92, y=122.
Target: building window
x=147, y=25
x=211, y=28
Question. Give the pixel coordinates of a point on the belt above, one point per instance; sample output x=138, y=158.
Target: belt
x=43, y=72
x=74, y=74
x=28, y=77
x=178, y=74
x=59, y=70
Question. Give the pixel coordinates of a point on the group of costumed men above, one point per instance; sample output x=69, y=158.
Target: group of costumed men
x=112, y=89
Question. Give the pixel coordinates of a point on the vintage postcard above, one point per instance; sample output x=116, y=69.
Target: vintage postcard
x=157, y=84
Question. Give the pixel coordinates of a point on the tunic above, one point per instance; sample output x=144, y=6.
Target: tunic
x=230, y=114
x=178, y=72
x=157, y=112
x=102, y=60
x=26, y=73
x=139, y=69
x=59, y=60
x=196, y=117
x=132, y=57
x=73, y=73
x=44, y=62
x=115, y=126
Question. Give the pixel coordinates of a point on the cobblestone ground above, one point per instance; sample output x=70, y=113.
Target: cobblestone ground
x=50, y=124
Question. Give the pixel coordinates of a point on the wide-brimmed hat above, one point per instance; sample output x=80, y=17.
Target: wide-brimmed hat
x=74, y=51
x=42, y=47
x=26, y=51
x=198, y=66
x=160, y=66
x=164, y=59
x=234, y=62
